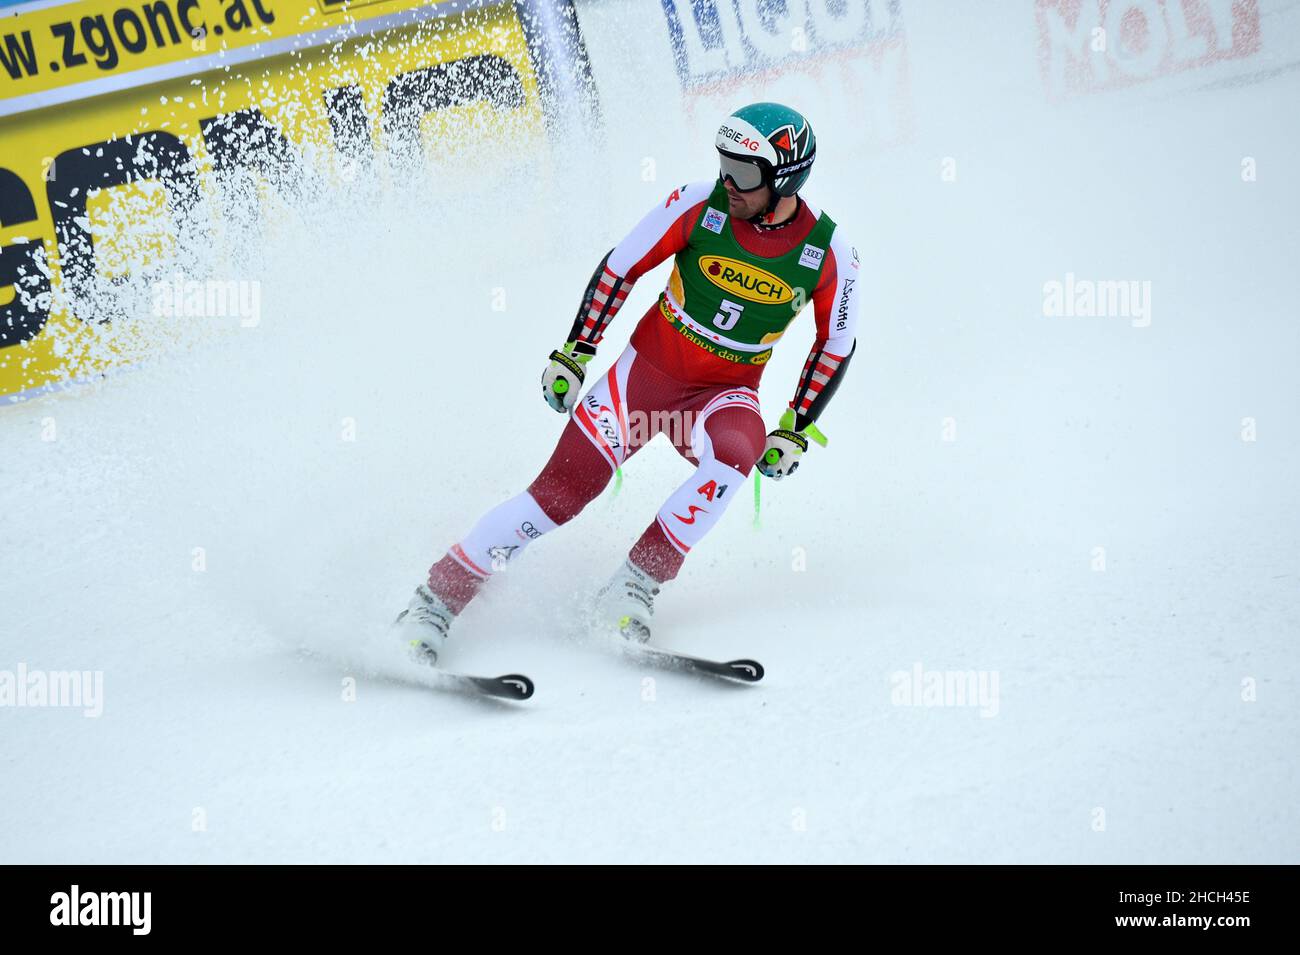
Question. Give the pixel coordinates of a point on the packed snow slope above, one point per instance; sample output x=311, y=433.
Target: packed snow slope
x=1074, y=506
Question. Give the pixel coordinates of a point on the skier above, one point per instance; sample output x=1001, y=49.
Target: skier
x=749, y=253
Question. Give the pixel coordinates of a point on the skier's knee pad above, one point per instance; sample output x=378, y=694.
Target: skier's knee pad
x=735, y=437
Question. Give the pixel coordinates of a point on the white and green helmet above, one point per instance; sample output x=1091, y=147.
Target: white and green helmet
x=766, y=144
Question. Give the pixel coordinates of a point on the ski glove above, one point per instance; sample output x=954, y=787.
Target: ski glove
x=562, y=380
x=785, y=446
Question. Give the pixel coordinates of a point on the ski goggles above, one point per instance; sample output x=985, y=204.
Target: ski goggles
x=745, y=174
x=750, y=174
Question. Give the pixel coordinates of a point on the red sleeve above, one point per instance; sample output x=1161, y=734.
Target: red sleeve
x=824, y=298
x=663, y=231
x=670, y=243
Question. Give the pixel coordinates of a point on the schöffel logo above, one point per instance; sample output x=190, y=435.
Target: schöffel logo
x=842, y=313
x=745, y=281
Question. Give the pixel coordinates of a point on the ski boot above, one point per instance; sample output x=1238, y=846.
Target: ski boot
x=627, y=602
x=424, y=625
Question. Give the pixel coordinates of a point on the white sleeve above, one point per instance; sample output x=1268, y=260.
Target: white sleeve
x=645, y=247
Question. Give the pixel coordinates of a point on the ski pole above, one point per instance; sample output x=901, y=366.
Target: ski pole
x=787, y=422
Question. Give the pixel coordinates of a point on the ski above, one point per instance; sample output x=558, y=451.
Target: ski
x=512, y=686
x=743, y=671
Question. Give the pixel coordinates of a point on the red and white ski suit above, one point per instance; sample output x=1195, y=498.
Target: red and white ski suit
x=663, y=383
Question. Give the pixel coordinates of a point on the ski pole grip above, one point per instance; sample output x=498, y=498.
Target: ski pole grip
x=810, y=430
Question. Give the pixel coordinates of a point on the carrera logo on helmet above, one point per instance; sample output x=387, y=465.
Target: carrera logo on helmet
x=747, y=281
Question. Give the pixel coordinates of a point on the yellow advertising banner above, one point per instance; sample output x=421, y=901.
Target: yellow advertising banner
x=141, y=105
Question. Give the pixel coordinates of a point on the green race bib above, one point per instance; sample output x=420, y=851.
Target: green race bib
x=734, y=302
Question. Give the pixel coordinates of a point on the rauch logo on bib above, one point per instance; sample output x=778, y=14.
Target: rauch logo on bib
x=746, y=281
